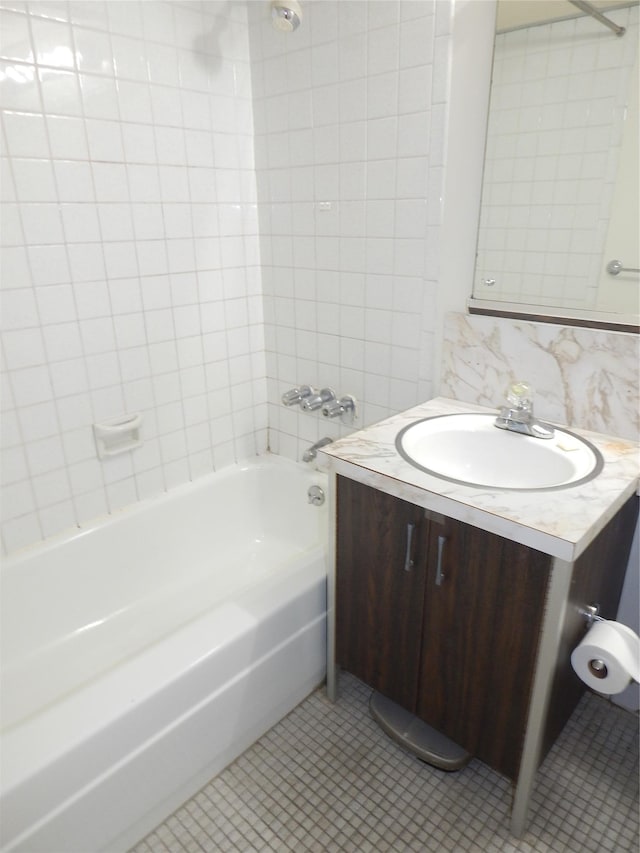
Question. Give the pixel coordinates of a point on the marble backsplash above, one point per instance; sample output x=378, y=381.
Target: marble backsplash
x=585, y=378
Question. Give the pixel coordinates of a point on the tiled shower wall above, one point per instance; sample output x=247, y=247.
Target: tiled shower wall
x=558, y=104
x=349, y=112
x=131, y=278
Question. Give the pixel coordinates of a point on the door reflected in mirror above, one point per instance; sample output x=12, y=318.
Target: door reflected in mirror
x=560, y=196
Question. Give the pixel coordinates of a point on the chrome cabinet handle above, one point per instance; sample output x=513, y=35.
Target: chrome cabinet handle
x=408, y=559
x=439, y=574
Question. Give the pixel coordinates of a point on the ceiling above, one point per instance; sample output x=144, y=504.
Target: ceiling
x=513, y=14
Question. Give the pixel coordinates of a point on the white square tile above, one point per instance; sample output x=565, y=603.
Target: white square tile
x=103, y=370
x=53, y=43
x=135, y=366
x=38, y=421
x=18, y=499
x=49, y=264
x=121, y=494
x=111, y=184
x=91, y=13
x=170, y=146
x=129, y=58
x=92, y=299
x=125, y=17
x=156, y=292
x=52, y=488
x=134, y=102
x=26, y=135
x=14, y=266
x=62, y=341
x=125, y=296
x=196, y=110
x=152, y=257
x=93, y=51
x=32, y=385
x=99, y=97
x=69, y=377
x=162, y=60
x=60, y=92
x=85, y=476
x=98, y=335
x=324, y=64
x=11, y=233
x=74, y=412
x=166, y=105
x=144, y=183
x=14, y=466
x=105, y=140
x=34, y=180
x=24, y=348
x=87, y=262
x=158, y=23
x=413, y=129
x=67, y=138
x=116, y=221
x=178, y=220
x=148, y=221
x=19, y=91
x=15, y=41
x=416, y=42
x=80, y=223
x=163, y=357
x=91, y=505
x=121, y=259
x=130, y=330
x=74, y=181
x=383, y=49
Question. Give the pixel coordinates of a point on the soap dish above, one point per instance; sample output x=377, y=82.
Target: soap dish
x=118, y=435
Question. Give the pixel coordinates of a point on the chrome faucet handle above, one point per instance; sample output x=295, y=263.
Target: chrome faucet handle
x=520, y=396
x=297, y=395
x=517, y=415
x=336, y=408
x=316, y=401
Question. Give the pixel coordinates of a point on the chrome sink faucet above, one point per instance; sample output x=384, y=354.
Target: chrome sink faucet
x=517, y=415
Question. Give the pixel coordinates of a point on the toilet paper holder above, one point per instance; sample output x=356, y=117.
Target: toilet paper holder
x=591, y=614
x=597, y=667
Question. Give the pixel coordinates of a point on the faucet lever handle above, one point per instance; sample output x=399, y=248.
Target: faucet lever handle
x=296, y=395
x=520, y=395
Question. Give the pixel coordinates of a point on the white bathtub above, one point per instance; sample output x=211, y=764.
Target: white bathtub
x=141, y=656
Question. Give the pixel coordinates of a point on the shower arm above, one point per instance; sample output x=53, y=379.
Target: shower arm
x=591, y=10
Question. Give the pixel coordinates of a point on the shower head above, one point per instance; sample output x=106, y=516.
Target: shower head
x=285, y=15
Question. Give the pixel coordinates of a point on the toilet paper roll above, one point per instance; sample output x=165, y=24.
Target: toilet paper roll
x=608, y=658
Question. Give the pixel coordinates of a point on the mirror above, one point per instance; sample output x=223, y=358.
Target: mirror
x=560, y=196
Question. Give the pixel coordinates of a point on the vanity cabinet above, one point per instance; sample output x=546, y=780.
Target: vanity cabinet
x=444, y=618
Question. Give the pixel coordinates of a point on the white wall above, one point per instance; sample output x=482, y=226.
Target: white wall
x=130, y=278
x=350, y=119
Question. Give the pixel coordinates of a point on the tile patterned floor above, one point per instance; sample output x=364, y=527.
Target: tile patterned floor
x=327, y=779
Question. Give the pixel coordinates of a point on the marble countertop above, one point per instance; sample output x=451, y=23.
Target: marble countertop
x=560, y=522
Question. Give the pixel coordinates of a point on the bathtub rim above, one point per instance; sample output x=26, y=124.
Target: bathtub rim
x=261, y=460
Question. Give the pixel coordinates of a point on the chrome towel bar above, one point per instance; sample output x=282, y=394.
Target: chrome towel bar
x=615, y=267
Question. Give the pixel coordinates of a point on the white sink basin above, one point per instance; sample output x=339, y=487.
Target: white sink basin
x=469, y=449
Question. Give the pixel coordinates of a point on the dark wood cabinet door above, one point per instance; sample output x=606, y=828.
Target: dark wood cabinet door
x=484, y=600
x=380, y=583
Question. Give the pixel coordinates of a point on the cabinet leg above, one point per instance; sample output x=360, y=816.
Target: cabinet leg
x=332, y=668
x=553, y=619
